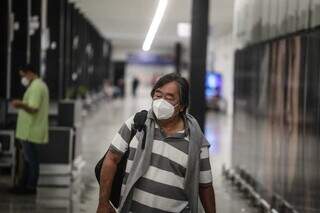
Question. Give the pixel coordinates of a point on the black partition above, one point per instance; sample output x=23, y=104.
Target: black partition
x=30, y=41
x=21, y=50
x=36, y=55
x=56, y=54
x=276, y=130
x=5, y=10
x=60, y=146
x=86, y=55
x=66, y=50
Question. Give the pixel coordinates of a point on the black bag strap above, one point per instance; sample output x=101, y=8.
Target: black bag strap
x=139, y=125
x=139, y=120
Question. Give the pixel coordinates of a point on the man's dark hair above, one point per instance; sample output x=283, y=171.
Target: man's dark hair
x=182, y=84
x=28, y=68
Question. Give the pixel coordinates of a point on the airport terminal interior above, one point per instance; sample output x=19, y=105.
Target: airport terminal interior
x=253, y=70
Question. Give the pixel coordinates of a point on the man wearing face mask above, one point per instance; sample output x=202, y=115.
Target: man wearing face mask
x=172, y=170
x=32, y=127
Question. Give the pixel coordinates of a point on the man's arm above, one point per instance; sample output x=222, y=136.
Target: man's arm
x=108, y=170
x=206, y=193
x=20, y=105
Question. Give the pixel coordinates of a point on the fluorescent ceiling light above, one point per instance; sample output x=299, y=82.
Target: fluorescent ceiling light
x=155, y=24
x=184, y=30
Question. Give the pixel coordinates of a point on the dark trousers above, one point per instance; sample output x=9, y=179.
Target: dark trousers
x=30, y=171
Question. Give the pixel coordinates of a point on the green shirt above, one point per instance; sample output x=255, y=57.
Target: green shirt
x=33, y=127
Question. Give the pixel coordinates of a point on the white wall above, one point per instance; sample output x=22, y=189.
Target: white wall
x=145, y=74
x=221, y=59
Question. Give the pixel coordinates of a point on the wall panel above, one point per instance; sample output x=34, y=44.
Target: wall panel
x=279, y=18
x=277, y=118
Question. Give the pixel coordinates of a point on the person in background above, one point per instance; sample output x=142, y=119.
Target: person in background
x=32, y=127
x=108, y=89
x=120, y=85
x=135, y=85
x=173, y=169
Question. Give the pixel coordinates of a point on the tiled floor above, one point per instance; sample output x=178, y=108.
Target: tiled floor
x=99, y=128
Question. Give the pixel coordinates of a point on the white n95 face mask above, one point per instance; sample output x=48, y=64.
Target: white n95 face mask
x=25, y=82
x=162, y=109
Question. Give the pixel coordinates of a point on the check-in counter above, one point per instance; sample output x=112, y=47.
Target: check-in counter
x=56, y=156
x=61, y=163
x=60, y=169
x=57, y=159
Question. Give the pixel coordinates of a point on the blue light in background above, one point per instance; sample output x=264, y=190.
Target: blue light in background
x=213, y=84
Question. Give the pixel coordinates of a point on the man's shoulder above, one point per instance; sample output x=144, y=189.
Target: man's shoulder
x=191, y=119
x=40, y=84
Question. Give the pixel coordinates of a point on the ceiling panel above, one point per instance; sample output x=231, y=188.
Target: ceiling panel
x=126, y=22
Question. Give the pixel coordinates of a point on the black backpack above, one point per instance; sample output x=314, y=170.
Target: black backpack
x=139, y=125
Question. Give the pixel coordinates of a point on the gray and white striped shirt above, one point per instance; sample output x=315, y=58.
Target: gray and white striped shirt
x=162, y=188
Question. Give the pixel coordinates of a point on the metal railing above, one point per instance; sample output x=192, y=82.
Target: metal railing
x=248, y=186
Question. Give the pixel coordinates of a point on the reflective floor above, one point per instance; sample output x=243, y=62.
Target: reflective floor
x=99, y=128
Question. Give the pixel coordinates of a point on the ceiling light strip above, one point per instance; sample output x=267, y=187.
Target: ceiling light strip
x=155, y=24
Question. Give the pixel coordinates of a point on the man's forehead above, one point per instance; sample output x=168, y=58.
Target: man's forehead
x=170, y=87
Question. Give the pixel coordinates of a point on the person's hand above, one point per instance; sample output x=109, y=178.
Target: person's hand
x=105, y=208
x=16, y=104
